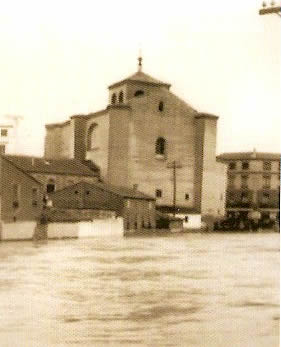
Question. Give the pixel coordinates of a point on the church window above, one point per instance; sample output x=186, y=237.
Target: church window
x=161, y=106
x=92, y=137
x=113, y=98
x=121, y=97
x=160, y=146
x=139, y=92
x=158, y=193
x=51, y=186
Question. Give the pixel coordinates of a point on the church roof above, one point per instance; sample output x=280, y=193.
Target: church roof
x=249, y=156
x=142, y=78
x=50, y=166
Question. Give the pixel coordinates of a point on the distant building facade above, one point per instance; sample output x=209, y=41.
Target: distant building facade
x=253, y=181
x=148, y=139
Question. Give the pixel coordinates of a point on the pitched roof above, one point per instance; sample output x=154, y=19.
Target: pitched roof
x=249, y=156
x=120, y=191
x=143, y=78
x=50, y=166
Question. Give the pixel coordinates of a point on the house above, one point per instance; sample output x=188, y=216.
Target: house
x=21, y=201
x=91, y=200
x=55, y=174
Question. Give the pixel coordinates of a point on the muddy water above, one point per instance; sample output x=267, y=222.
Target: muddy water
x=201, y=290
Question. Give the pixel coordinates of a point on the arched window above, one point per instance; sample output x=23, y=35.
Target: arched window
x=113, y=98
x=161, y=106
x=139, y=92
x=51, y=186
x=92, y=136
x=121, y=97
x=160, y=147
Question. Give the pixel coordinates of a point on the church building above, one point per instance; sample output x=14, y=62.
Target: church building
x=150, y=140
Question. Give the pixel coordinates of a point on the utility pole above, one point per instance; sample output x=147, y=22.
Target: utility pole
x=174, y=165
x=273, y=8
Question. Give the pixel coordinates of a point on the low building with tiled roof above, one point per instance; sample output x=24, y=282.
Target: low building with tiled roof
x=136, y=208
x=21, y=201
x=55, y=174
x=253, y=181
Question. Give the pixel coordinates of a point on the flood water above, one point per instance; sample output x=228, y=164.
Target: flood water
x=201, y=290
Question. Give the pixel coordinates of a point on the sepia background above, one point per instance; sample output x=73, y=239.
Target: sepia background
x=58, y=57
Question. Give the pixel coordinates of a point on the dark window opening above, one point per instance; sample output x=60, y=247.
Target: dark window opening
x=87, y=192
x=4, y=132
x=158, y=193
x=186, y=196
x=266, y=165
x=121, y=97
x=34, y=197
x=245, y=165
x=50, y=188
x=160, y=147
x=161, y=106
x=113, y=98
x=76, y=192
x=16, y=195
x=139, y=93
x=2, y=149
x=232, y=166
x=186, y=219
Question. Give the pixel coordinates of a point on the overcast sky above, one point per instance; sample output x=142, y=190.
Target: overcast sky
x=58, y=57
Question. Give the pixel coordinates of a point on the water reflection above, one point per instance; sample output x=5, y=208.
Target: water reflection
x=187, y=290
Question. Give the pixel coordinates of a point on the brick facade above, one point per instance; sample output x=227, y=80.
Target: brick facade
x=124, y=148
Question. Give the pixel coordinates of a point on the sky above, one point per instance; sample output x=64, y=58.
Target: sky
x=58, y=58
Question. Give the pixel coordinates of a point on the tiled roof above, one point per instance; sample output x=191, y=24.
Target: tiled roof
x=249, y=156
x=120, y=191
x=141, y=77
x=50, y=166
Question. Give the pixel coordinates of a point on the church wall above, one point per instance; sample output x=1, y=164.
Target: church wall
x=99, y=154
x=78, y=140
x=176, y=124
x=59, y=141
x=118, y=145
x=213, y=175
